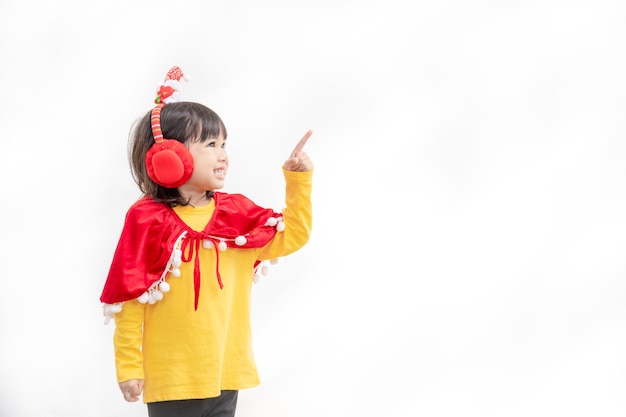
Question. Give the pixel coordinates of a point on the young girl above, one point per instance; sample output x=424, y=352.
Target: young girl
x=180, y=281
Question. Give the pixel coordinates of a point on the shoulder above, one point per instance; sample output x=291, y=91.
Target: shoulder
x=146, y=208
x=236, y=214
x=145, y=203
x=225, y=199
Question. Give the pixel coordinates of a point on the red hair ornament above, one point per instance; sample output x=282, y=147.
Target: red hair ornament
x=168, y=161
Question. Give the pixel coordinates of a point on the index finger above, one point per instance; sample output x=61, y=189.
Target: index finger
x=301, y=144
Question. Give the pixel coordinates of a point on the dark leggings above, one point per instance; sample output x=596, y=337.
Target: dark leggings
x=222, y=406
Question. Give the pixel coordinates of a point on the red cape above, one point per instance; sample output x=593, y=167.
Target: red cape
x=151, y=229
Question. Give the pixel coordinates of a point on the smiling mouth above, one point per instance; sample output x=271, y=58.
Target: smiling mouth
x=220, y=172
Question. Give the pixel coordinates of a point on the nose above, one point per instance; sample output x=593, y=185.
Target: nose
x=223, y=155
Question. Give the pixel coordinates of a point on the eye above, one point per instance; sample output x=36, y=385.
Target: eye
x=211, y=144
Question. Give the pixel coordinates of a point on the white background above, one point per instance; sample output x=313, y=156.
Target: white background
x=469, y=234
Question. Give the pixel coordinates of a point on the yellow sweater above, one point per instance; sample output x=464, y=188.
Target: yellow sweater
x=183, y=353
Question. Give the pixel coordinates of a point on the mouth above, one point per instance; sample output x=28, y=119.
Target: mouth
x=220, y=173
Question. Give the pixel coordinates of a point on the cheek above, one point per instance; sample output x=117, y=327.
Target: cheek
x=195, y=152
x=206, y=160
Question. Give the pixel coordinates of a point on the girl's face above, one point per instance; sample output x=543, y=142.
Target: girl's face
x=210, y=164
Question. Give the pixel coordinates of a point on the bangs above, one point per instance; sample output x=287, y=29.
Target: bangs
x=188, y=121
x=204, y=124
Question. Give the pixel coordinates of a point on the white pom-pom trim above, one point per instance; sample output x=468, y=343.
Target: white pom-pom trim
x=156, y=290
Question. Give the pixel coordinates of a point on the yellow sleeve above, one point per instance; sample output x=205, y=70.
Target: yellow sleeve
x=297, y=215
x=127, y=339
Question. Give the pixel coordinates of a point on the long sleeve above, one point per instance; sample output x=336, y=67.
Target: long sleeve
x=297, y=215
x=127, y=340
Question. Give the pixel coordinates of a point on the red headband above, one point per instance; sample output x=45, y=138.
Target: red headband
x=168, y=161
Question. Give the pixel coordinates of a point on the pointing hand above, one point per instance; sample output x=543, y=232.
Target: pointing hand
x=298, y=160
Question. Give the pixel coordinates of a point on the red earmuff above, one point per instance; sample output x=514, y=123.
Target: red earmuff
x=168, y=161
